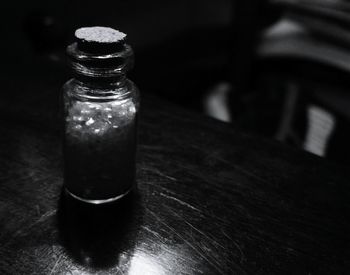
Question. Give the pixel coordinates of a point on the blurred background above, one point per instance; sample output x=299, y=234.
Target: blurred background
x=275, y=68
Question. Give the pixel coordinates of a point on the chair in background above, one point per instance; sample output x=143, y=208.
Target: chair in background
x=295, y=84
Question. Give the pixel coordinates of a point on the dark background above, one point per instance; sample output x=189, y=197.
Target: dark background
x=175, y=42
x=183, y=49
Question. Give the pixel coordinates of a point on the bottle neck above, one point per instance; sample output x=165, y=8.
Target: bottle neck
x=99, y=71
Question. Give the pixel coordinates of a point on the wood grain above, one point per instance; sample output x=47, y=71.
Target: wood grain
x=210, y=200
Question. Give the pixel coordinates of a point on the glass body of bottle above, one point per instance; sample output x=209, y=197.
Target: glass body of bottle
x=100, y=125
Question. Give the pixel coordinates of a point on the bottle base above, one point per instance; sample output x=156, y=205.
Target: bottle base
x=97, y=201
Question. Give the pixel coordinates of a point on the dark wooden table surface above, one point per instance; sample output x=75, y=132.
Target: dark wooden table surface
x=210, y=200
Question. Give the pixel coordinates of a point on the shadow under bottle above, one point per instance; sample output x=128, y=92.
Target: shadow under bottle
x=96, y=235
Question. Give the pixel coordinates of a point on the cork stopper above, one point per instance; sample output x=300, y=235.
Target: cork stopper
x=100, y=40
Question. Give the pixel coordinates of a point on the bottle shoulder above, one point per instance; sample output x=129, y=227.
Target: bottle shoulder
x=108, y=92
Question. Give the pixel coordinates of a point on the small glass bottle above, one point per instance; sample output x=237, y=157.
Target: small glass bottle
x=100, y=117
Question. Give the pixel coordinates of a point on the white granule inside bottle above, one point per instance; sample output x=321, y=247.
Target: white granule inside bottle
x=99, y=34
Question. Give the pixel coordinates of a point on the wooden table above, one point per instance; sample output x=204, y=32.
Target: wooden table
x=210, y=200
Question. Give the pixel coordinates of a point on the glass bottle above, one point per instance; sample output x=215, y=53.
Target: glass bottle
x=100, y=117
